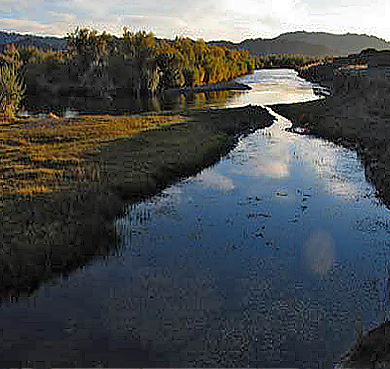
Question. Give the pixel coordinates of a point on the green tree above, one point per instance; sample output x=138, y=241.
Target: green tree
x=88, y=48
x=171, y=74
x=138, y=45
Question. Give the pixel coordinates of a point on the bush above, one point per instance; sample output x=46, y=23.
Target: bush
x=11, y=91
x=191, y=77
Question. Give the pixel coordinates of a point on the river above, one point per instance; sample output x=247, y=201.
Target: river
x=267, y=259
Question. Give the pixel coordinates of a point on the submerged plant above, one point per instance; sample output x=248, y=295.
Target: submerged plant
x=11, y=91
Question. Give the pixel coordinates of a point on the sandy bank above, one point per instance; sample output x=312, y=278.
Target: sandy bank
x=46, y=235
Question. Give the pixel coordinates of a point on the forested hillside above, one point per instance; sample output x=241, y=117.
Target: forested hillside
x=342, y=44
x=309, y=43
x=273, y=46
x=42, y=42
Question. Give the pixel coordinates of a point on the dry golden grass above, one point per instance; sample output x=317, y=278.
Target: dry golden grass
x=45, y=155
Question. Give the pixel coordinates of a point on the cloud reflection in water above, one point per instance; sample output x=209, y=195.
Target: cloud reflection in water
x=277, y=164
x=213, y=179
x=320, y=252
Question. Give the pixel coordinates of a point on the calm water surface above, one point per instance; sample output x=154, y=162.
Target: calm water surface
x=266, y=259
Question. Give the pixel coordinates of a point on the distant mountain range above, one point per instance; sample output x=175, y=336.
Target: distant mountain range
x=306, y=43
x=39, y=41
x=309, y=43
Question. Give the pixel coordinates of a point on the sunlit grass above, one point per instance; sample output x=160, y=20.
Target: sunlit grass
x=45, y=155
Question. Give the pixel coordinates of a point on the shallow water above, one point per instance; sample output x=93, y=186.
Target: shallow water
x=266, y=259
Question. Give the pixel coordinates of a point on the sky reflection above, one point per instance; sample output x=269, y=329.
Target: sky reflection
x=320, y=252
x=211, y=178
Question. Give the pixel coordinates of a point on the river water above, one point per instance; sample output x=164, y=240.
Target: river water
x=269, y=258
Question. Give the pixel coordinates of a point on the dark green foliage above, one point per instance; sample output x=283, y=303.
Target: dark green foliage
x=32, y=55
x=286, y=61
x=190, y=77
x=171, y=75
x=88, y=48
x=181, y=62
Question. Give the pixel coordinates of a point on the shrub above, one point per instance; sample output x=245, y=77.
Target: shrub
x=191, y=76
x=11, y=91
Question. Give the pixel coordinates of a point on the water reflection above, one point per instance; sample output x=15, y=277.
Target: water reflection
x=269, y=86
x=170, y=101
x=211, y=178
x=272, y=168
x=339, y=175
x=320, y=250
x=336, y=166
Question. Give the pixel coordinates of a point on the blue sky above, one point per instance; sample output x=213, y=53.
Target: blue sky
x=208, y=19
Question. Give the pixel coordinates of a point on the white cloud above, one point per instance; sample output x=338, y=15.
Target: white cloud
x=31, y=26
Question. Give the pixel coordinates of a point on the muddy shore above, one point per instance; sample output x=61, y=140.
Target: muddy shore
x=357, y=117
x=51, y=234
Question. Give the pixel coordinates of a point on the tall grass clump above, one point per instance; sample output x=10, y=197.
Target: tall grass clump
x=11, y=91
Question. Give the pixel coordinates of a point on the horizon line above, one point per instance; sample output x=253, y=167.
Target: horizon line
x=235, y=42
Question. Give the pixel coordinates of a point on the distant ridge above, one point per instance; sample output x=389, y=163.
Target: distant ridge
x=309, y=43
x=43, y=42
x=300, y=42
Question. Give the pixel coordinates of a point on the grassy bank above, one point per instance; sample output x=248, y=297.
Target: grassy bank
x=355, y=120
x=65, y=181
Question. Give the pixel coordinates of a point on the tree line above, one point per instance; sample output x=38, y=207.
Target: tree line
x=179, y=62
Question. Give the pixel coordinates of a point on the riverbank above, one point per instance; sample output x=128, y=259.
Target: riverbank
x=370, y=351
x=228, y=86
x=357, y=118
x=321, y=73
x=54, y=226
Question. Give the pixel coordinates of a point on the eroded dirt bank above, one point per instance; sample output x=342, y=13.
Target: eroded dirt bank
x=48, y=234
x=357, y=116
